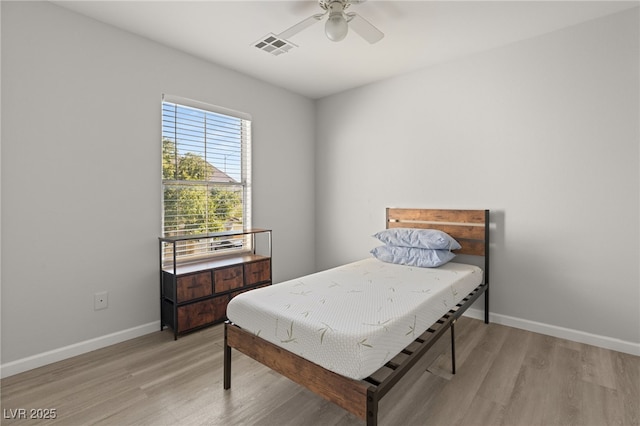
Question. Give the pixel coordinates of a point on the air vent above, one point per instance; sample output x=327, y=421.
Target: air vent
x=271, y=43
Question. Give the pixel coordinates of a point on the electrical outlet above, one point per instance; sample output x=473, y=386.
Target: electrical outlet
x=100, y=301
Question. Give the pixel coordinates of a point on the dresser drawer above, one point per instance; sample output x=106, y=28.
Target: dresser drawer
x=196, y=314
x=257, y=272
x=202, y=313
x=194, y=286
x=228, y=278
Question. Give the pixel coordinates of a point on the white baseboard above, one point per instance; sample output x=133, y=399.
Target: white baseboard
x=35, y=361
x=560, y=332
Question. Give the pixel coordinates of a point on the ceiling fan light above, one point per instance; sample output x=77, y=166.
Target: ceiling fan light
x=336, y=27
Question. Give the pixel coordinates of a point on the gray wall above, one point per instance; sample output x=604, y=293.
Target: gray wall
x=81, y=173
x=543, y=132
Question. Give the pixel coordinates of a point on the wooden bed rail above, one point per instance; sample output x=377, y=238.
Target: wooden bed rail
x=347, y=393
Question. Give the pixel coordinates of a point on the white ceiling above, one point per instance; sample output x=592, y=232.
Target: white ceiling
x=417, y=34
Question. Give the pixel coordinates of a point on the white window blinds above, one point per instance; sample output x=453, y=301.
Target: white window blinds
x=206, y=175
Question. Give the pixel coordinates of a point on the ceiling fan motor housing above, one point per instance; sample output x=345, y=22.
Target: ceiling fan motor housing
x=336, y=27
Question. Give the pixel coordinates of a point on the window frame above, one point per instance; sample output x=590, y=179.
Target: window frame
x=215, y=243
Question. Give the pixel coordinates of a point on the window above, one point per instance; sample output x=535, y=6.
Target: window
x=206, y=176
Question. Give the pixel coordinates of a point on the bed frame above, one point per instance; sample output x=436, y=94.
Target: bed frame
x=360, y=397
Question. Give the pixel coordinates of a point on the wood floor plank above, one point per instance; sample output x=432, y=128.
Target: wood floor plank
x=483, y=412
x=597, y=366
x=501, y=379
x=505, y=377
x=563, y=403
x=627, y=379
x=530, y=391
x=601, y=406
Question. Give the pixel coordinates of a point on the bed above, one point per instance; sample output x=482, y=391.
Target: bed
x=350, y=333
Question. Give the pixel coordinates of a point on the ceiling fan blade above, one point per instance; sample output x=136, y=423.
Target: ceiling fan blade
x=364, y=28
x=304, y=24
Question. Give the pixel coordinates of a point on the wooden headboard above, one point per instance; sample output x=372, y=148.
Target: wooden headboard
x=469, y=227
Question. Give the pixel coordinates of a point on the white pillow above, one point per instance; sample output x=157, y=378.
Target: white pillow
x=418, y=238
x=411, y=256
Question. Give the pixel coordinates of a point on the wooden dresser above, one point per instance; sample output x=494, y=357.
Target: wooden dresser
x=195, y=294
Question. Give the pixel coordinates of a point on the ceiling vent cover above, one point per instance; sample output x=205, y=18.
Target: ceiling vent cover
x=273, y=44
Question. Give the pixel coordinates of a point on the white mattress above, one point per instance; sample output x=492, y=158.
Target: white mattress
x=354, y=318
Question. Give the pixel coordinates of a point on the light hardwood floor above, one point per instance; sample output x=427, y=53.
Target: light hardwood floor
x=505, y=376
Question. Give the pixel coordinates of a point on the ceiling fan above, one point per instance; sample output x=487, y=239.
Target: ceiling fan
x=336, y=27
x=338, y=22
